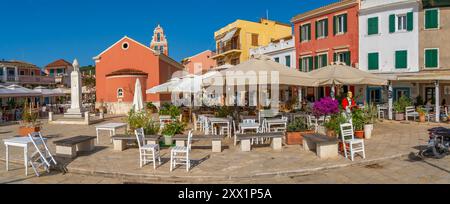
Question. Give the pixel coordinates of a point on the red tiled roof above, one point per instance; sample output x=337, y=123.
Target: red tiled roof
x=19, y=64
x=58, y=63
x=127, y=72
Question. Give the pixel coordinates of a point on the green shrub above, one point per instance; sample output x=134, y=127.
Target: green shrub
x=401, y=104
x=335, y=122
x=297, y=125
x=170, y=110
x=358, y=119
x=174, y=128
x=370, y=114
x=142, y=119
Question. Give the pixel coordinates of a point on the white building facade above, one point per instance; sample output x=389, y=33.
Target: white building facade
x=281, y=51
x=389, y=45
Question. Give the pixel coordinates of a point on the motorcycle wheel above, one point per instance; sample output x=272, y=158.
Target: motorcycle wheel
x=438, y=154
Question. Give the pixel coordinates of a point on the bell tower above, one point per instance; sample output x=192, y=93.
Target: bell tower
x=159, y=41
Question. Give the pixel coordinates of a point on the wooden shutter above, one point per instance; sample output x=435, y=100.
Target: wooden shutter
x=324, y=60
x=300, y=62
x=317, y=29
x=254, y=39
x=348, y=58
x=334, y=25
x=300, y=32
x=372, y=26
x=335, y=57
x=345, y=23
x=373, y=59
x=431, y=19
x=316, y=62
x=326, y=27
x=309, y=31
x=392, y=23
x=431, y=58
x=401, y=59
x=311, y=65
x=410, y=21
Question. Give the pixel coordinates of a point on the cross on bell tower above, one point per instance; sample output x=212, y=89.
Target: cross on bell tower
x=159, y=41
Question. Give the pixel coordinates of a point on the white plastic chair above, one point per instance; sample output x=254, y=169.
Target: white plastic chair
x=354, y=145
x=42, y=157
x=147, y=153
x=180, y=155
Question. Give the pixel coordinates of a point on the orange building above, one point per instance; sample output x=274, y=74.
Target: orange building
x=118, y=67
x=327, y=35
x=200, y=63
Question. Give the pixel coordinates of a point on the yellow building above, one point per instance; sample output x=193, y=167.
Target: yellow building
x=233, y=42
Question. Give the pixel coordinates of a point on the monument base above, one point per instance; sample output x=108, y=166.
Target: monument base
x=73, y=113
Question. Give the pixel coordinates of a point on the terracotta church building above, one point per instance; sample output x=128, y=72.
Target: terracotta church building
x=119, y=66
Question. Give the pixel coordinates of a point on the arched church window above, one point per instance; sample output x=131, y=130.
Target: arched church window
x=119, y=93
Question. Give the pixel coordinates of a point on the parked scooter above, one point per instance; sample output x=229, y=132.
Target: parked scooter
x=439, y=144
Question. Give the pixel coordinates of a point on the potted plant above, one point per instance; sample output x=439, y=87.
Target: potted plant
x=29, y=123
x=358, y=123
x=370, y=114
x=295, y=132
x=422, y=113
x=400, y=106
x=334, y=125
x=141, y=119
x=325, y=107
x=171, y=130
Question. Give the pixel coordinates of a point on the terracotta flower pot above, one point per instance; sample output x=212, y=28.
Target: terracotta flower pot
x=296, y=138
x=422, y=118
x=359, y=134
x=331, y=133
x=24, y=131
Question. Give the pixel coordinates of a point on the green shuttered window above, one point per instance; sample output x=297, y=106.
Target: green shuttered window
x=288, y=61
x=431, y=58
x=340, y=24
x=431, y=19
x=372, y=26
x=305, y=32
x=392, y=23
x=410, y=21
x=401, y=59
x=373, y=59
x=310, y=63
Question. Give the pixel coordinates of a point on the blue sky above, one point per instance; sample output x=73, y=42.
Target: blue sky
x=41, y=31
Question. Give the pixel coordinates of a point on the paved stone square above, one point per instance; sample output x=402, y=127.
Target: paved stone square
x=390, y=140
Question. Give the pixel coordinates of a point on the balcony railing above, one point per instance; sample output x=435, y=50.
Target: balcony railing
x=228, y=48
x=37, y=79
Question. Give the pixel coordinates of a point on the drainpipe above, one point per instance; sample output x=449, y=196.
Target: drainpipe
x=438, y=105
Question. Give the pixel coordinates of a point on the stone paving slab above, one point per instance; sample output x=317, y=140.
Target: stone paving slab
x=390, y=140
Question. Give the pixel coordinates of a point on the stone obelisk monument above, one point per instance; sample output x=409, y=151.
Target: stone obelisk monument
x=75, y=110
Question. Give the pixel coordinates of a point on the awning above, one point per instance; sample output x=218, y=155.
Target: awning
x=425, y=77
x=228, y=36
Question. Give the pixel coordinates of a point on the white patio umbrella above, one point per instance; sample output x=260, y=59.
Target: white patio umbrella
x=164, y=88
x=138, y=101
x=262, y=67
x=22, y=91
x=48, y=92
x=339, y=74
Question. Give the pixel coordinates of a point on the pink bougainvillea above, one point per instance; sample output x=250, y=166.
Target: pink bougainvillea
x=326, y=106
